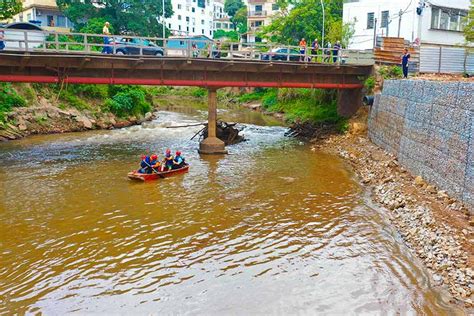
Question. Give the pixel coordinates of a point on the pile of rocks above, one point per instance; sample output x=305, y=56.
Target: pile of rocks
x=47, y=119
x=420, y=213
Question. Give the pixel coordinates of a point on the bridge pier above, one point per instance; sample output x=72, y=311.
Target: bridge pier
x=212, y=145
x=348, y=101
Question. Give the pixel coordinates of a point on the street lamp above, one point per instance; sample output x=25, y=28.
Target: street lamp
x=322, y=39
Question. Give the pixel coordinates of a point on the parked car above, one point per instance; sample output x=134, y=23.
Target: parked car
x=281, y=53
x=132, y=46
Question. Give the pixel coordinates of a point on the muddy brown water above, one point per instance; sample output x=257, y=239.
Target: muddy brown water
x=271, y=228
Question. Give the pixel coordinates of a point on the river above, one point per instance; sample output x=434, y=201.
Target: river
x=272, y=227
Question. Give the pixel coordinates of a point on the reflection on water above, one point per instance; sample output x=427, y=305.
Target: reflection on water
x=269, y=228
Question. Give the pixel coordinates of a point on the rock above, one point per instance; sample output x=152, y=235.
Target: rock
x=148, y=116
x=419, y=181
x=442, y=194
x=431, y=189
x=22, y=127
x=84, y=121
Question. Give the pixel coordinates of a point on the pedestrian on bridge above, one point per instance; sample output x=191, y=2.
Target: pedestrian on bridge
x=2, y=35
x=314, y=49
x=105, y=31
x=303, y=49
x=335, y=51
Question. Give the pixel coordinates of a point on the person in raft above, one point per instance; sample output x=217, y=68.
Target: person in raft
x=178, y=161
x=149, y=164
x=168, y=160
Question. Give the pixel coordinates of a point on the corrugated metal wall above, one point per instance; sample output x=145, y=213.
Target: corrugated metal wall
x=446, y=60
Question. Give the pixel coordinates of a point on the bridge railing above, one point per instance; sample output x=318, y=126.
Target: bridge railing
x=142, y=46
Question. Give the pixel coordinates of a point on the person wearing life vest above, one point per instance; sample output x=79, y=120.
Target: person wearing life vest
x=168, y=160
x=144, y=164
x=154, y=163
x=178, y=161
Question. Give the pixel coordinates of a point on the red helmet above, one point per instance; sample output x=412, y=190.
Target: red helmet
x=168, y=151
x=143, y=157
x=178, y=153
x=154, y=157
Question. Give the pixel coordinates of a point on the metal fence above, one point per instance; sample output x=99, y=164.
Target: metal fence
x=446, y=60
x=80, y=43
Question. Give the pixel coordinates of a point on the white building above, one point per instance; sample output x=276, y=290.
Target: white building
x=192, y=17
x=433, y=22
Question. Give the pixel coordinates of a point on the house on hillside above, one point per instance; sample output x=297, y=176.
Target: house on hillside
x=430, y=22
x=44, y=13
x=259, y=14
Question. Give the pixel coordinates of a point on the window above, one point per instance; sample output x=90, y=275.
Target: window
x=370, y=20
x=187, y=19
x=28, y=17
x=258, y=8
x=275, y=7
x=179, y=6
x=218, y=26
x=202, y=31
x=193, y=9
x=61, y=21
x=202, y=22
x=201, y=3
x=448, y=19
x=179, y=17
x=385, y=16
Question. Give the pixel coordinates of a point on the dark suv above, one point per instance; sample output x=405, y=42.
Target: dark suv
x=132, y=46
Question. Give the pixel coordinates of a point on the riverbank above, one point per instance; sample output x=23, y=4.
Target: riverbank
x=437, y=228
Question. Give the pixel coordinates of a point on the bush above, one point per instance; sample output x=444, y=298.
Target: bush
x=129, y=102
x=8, y=100
x=391, y=72
x=369, y=84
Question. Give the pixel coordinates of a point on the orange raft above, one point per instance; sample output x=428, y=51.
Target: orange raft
x=135, y=175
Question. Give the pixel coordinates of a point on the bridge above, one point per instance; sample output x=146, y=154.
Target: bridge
x=44, y=59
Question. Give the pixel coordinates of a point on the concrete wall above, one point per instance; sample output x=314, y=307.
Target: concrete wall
x=429, y=126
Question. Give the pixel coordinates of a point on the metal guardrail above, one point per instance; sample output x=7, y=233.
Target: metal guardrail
x=81, y=43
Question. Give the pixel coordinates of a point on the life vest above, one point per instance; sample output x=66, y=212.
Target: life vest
x=169, y=160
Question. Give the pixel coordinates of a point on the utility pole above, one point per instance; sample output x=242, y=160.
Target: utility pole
x=324, y=16
x=375, y=32
x=400, y=13
x=163, y=21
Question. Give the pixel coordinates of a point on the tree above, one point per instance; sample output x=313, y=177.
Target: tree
x=240, y=20
x=138, y=17
x=304, y=20
x=9, y=8
x=231, y=7
x=469, y=28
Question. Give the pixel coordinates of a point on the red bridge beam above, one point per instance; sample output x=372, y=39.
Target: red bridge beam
x=173, y=82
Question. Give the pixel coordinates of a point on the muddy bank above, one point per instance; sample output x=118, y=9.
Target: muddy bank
x=45, y=118
x=438, y=228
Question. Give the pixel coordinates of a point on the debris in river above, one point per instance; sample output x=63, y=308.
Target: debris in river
x=227, y=132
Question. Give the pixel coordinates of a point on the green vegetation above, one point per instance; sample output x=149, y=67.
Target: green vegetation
x=230, y=35
x=369, y=84
x=139, y=17
x=9, y=8
x=390, y=72
x=306, y=20
x=299, y=105
x=9, y=99
x=127, y=101
x=469, y=28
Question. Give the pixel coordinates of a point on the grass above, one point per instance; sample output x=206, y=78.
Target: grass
x=300, y=105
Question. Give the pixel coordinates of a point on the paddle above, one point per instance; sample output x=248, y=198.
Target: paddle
x=150, y=166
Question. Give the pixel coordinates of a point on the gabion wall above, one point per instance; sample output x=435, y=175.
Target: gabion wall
x=429, y=126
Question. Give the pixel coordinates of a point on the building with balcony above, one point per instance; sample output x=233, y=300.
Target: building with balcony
x=44, y=13
x=192, y=17
x=425, y=22
x=260, y=13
